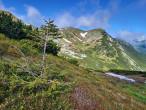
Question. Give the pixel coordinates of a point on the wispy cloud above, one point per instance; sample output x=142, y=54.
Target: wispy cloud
x=137, y=4
x=130, y=36
x=96, y=18
x=99, y=18
x=141, y=3
x=114, y=4
x=32, y=16
x=2, y=7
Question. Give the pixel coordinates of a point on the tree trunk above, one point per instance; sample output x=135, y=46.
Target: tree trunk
x=44, y=56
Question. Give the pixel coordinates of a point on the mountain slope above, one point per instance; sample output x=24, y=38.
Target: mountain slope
x=14, y=18
x=63, y=86
x=71, y=87
x=97, y=50
x=131, y=51
x=8, y=13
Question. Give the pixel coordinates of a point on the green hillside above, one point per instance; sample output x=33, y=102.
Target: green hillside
x=99, y=51
x=14, y=18
x=70, y=87
x=64, y=85
x=8, y=13
x=131, y=51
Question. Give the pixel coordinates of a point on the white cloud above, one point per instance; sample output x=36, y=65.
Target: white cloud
x=114, y=4
x=2, y=7
x=32, y=15
x=143, y=37
x=65, y=20
x=98, y=19
x=80, y=16
x=141, y=3
x=130, y=36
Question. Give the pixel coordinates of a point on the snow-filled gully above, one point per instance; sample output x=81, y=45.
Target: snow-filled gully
x=121, y=77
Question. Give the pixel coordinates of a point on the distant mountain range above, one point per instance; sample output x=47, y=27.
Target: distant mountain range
x=141, y=46
x=97, y=50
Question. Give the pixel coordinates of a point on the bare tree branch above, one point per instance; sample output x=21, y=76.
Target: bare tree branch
x=27, y=69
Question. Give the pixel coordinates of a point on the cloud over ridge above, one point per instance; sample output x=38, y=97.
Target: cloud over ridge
x=98, y=17
x=130, y=36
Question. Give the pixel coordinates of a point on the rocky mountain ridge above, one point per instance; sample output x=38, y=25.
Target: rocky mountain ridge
x=96, y=49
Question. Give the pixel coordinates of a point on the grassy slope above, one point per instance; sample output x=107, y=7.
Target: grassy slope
x=8, y=13
x=136, y=90
x=138, y=57
x=77, y=89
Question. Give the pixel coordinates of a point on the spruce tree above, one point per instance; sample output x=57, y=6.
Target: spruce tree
x=50, y=32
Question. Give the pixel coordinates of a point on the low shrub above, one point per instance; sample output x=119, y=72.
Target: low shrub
x=6, y=49
x=72, y=61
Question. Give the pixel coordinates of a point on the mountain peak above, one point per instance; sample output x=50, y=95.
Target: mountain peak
x=96, y=49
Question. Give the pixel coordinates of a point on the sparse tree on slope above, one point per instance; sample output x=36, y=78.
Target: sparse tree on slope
x=50, y=31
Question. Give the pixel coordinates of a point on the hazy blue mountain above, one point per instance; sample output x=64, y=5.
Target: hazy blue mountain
x=141, y=46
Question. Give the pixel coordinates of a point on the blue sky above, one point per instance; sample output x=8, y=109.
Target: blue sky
x=125, y=19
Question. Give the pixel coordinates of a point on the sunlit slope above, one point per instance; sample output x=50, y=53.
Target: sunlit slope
x=97, y=50
x=14, y=18
x=71, y=88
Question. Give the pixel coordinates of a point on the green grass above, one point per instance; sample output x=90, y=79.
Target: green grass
x=137, y=91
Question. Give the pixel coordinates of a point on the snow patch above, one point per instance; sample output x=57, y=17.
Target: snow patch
x=67, y=40
x=110, y=39
x=66, y=50
x=121, y=77
x=27, y=24
x=110, y=44
x=79, y=39
x=83, y=56
x=83, y=34
x=74, y=39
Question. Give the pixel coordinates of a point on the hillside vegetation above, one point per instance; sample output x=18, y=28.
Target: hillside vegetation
x=96, y=49
x=64, y=85
x=70, y=86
